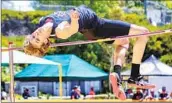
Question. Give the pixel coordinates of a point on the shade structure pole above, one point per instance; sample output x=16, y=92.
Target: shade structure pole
x=111, y=69
x=60, y=80
x=11, y=89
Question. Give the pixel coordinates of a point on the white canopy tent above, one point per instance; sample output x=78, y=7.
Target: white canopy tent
x=22, y=58
x=153, y=67
x=158, y=73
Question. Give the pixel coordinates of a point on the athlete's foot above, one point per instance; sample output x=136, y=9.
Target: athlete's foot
x=116, y=86
x=139, y=83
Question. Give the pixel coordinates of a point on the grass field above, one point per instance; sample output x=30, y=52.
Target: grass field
x=87, y=101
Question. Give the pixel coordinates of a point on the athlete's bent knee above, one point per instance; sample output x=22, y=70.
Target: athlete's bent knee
x=122, y=43
x=143, y=38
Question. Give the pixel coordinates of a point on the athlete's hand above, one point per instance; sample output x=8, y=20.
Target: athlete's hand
x=74, y=15
x=139, y=28
x=145, y=30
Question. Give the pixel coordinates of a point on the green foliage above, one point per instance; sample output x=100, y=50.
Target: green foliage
x=4, y=41
x=5, y=74
x=167, y=58
x=34, y=16
x=115, y=13
x=44, y=95
x=7, y=14
x=132, y=3
x=18, y=97
x=102, y=8
x=169, y=4
x=65, y=2
x=136, y=19
x=17, y=40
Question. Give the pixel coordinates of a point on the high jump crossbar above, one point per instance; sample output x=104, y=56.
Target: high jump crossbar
x=100, y=40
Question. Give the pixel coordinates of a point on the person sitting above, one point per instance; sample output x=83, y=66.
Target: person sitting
x=26, y=94
x=145, y=93
x=129, y=93
x=152, y=95
x=75, y=94
x=79, y=92
x=92, y=93
x=3, y=95
x=138, y=95
x=171, y=96
x=163, y=94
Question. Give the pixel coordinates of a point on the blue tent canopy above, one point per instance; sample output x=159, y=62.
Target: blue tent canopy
x=73, y=68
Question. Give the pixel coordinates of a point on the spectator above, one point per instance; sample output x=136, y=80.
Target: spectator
x=150, y=20
x=171, y=96
x=151, y=96
x=75, y=94
x=145, y=93
x=26, y=94
x=163, y=94
x=138, y=95
x=3, y=95
x=129, y=93
x=79, y=92
x=92, y=92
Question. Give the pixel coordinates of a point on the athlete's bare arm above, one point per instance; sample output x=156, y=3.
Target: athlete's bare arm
x=65, y=30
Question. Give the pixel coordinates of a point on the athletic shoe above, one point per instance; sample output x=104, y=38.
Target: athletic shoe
x=116, y=86
x=139, y=83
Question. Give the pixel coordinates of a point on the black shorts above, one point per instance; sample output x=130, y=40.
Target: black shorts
x=112, y=28
x=108, y=29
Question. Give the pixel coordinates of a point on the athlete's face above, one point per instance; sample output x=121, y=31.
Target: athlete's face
x=37, y=38
x=41, y=35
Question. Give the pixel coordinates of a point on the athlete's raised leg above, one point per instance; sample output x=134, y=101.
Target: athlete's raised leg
x=120, y=47
x=138, y=50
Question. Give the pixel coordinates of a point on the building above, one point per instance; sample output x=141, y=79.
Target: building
x=158, y=14
x=44, y=78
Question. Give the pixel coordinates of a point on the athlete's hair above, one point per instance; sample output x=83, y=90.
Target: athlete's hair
x=35, y=51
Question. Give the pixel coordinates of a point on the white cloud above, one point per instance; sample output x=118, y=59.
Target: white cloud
x=18, y=5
